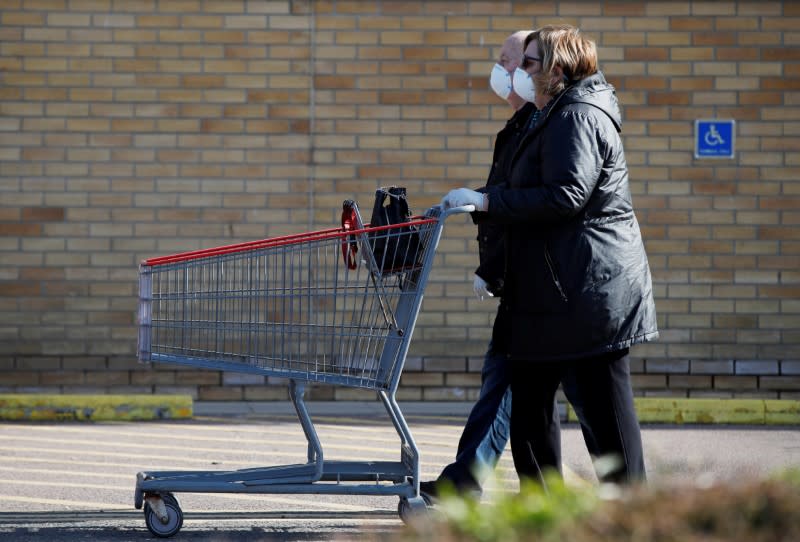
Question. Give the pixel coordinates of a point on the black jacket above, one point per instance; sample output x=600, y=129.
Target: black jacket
x=491, y=245
x=577, y=279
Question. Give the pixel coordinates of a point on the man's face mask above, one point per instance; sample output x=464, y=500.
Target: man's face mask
x=523, y=85
x=500, y=81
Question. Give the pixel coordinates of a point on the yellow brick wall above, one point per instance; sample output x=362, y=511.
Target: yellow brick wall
x=134, y=128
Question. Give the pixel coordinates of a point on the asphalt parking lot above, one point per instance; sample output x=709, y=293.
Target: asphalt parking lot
x=75, y=481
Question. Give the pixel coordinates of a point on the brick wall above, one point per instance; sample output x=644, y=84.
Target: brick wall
x=133, y=128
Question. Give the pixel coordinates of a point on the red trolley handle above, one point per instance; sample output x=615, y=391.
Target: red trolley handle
x=349, y=244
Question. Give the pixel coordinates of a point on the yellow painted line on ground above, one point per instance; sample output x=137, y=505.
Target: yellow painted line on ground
x=676, y=410
x=62, y=483
x=781, y=412
x=64, y=502
x=151, y=447
x=53, y=407
x=82, y=473
x=170, y=462
x=267, y=433
x=352, y=425
x=172, y=466
x=140, y=458
x=367, y=420
x=185, y=463
x=269, y=428
x=85, y=465
x=429, y=468
x=95, y=464
x=78, y=407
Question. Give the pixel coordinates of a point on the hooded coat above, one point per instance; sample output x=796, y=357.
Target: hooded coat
x=577, y=280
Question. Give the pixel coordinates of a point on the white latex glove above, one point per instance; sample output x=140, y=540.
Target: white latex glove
x=464, y=196
x=481, y=288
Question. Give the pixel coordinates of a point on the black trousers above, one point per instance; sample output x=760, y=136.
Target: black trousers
x=600, y=391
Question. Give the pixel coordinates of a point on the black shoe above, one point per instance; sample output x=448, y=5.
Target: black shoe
x=430, y=492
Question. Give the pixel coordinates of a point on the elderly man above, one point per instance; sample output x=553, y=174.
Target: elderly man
x=487, y=429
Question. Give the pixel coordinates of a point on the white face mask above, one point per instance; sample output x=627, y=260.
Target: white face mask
x=500, y=81
x=523, y=85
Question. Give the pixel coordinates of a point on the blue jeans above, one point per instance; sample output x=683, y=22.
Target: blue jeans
x=488, y=426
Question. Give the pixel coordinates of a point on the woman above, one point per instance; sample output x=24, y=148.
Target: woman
x=578, y=291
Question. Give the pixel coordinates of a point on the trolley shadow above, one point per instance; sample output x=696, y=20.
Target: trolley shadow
x=90, y=525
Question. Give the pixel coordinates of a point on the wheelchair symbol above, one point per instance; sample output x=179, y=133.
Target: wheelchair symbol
x=712, y=137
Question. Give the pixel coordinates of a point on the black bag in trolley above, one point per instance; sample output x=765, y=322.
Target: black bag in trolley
x=395, y=249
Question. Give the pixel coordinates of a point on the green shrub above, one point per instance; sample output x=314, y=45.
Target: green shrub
x=748, y=511
x=516, y=517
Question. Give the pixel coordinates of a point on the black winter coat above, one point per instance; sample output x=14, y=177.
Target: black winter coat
x=577, y=278
x=491, y=243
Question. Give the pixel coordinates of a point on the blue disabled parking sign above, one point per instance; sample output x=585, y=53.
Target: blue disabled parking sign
x=714, y=138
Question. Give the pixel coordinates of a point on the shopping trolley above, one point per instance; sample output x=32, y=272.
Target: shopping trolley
x=314, y=307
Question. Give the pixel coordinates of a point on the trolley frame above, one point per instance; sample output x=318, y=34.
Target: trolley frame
x=317, y=475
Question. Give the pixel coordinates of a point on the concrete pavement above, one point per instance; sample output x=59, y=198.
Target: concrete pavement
x=62, y=481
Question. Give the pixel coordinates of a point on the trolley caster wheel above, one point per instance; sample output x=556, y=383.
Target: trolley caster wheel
x=412, y=510
x=170, y=524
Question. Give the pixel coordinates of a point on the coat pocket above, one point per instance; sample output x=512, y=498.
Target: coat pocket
x=554, y=275
x=538, y=287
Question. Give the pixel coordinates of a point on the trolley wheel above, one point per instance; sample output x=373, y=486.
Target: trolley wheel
x=412, y=510
x=174, y=517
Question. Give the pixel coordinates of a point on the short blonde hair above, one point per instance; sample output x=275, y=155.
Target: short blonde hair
x=562, y=45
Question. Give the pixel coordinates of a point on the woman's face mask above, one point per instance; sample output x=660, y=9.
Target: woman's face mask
x=500, y=81
x=523, y=85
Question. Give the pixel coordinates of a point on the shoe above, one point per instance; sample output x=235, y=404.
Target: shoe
x=432, y=491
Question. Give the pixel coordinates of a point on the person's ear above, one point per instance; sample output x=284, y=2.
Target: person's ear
x=557, y=76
